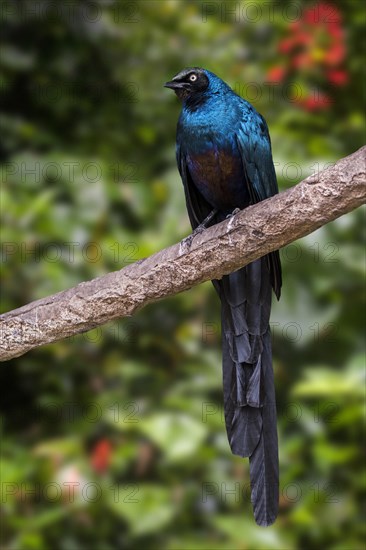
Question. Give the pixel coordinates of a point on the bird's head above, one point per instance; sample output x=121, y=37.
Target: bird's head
x=190, y=82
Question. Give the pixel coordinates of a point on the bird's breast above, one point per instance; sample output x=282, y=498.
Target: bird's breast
x=217, y=172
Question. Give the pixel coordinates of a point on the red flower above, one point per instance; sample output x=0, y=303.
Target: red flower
x=336, y=54
x=276, y=74
x=302, y=60
x=286, y=45
x=336, y=31
x=316, y=102
x=304, y=37
x=295, y=26
x=101, y=455
x=323, y=13
x=338, y=77
x=315, y=47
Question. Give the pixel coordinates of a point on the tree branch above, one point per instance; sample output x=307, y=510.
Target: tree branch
x=219, y=250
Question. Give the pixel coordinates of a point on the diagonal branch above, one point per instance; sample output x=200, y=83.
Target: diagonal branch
x=219, y=250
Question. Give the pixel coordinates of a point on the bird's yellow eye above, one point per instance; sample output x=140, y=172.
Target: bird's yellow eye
x=193, y=77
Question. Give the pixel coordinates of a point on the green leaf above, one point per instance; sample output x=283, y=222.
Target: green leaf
x=178, y=434
x=146, y=508
x=248, y=535
x=321, y=381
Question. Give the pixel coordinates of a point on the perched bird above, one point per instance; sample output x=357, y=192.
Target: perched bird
x=224, y=158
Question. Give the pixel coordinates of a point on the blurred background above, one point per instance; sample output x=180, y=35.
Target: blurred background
x=115, y=438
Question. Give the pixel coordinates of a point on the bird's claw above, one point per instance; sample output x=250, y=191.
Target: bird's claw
x=235, y=211
x=199, y=229
x=186, y=243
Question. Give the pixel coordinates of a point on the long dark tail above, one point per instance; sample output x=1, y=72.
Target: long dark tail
x=249, y=393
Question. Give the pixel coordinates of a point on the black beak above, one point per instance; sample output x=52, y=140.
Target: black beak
x=174, y=85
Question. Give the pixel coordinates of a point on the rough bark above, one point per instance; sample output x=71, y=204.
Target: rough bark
x=219, y=250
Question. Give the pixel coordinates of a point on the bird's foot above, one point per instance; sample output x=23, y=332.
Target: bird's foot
x=186, y=243
x=235, y=211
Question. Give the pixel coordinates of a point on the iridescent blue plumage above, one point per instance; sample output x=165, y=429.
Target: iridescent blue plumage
x=225, y=161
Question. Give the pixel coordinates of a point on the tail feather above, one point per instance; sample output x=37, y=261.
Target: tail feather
x=249, y=398
x=263, y=462
x=243, y=423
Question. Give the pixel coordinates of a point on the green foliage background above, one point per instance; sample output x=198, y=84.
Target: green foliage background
x=84, y=108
